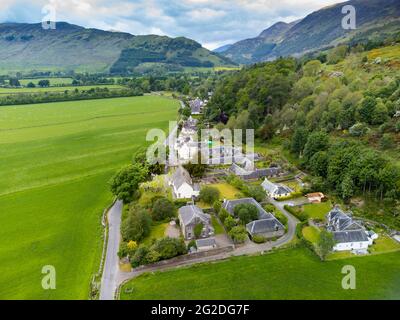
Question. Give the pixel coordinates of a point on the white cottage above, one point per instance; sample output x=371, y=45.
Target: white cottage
x=349, y=235
x=183, y=186
x=276, y=191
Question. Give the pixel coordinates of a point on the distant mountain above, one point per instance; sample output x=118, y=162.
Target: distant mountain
x=223, y=48
x=319, y=30
x=28, y=47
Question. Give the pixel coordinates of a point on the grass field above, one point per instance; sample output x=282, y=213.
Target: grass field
x=311, y=234
x=55, y=163
x=227, y=191
x=288, y=274
x=8, y=91
x=53, y=81
x=317, y=210
x=157, y=232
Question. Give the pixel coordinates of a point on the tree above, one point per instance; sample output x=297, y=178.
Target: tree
x=209, y=194
x=136, y=226
x=196, y=170
x=198, y=230
x=318, y=164
x=387, y=141
x=169, y=247
x=317, y=141
x=126, y=182
x=31, y=85
x=14, y=82
x=380, y=113
x=44, y=83
x=246, y=213
x=299, y=140
x=186, y=112
x=257, y=192
x=217, y=206
x=325, y=244
x=238, y=234
x=312, y=68
x=163, y=209
x=347, y=187
x=366, y=109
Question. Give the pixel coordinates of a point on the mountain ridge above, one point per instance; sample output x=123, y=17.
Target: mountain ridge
x=27, y=46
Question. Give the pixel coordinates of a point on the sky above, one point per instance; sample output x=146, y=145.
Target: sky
x=213, y=23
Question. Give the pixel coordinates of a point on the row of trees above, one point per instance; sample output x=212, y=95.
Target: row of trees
x=68, y=95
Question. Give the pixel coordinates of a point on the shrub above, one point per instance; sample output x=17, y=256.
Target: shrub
x=230, y=223
x=152, y=257
x=223, y=214
x=238, y=234
x=217, y=206
x=246, y=212
x=139, y=257
x=192, y=244
x=281, y=217
x=259, y=239
x=136, y=226
x=169, y=247
x=209, y=195
x=163, y=209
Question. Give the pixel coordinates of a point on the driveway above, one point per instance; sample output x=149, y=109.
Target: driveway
x=109, y=281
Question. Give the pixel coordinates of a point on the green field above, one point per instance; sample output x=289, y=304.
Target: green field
x=287, y=274
x=53, y=81
x=55, y=162
x=8, y=91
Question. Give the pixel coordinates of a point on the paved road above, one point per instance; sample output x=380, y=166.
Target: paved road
x=109, y=281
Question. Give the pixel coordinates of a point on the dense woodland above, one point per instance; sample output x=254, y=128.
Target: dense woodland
x=337, y=114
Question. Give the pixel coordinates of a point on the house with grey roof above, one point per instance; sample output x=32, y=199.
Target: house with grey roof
x=267, y=228
x=248, y=171
x=190, y=217
x=348, y=234
x=276, y=191
x=266, y=225
x=196, y=106
x=182, y=184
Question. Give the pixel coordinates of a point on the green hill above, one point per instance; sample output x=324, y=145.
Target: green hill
x=28, y=47
x=319, y=30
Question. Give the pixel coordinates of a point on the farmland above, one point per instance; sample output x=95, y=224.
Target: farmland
x=287, y=274
x=8, y=91
x=55, y=162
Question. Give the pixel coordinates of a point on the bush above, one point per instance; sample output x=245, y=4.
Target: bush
x=230, y=223
x=299, y=215
x=246, y=213
x=169, y=248
x=238, y=234
x=192, y=244
x=163, y=209
x=223, y=214
x=281, y=217
x=139, y=257
x=209, y=195
x=217, y=206
x=259, y=239
x=136, y=226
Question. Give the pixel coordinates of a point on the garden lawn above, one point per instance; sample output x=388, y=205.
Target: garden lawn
x=157, y=232
x=311, y=234
x=318, y=210
x=227, y=191
x=218, y=228
x=384, y=244
x=55, y=163
x=288, y=274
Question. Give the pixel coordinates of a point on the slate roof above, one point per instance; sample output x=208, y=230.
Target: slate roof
x=264, y=226
x=188, y=214
x=269, y=186
x=209, y=242
x=350, y=236
x=180, y=177
x=339, y=221
x=230, y=205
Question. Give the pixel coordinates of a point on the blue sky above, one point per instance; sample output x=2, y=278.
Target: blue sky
x=211, y=22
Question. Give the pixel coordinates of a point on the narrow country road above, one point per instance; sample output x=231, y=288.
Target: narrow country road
x=109, y=281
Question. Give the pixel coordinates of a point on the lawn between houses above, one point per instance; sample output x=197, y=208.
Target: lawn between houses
x=294, y=273
x=55, y=162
